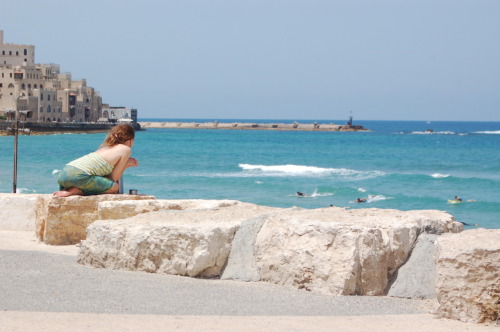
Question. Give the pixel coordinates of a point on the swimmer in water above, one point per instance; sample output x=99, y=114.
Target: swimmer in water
x=361, y=200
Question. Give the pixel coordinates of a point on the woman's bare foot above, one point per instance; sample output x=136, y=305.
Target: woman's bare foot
x=70, y=192
x=62, y=193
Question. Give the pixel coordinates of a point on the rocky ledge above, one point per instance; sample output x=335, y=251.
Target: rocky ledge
x=332, y=250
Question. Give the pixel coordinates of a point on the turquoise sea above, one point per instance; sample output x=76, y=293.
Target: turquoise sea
x=397, y=165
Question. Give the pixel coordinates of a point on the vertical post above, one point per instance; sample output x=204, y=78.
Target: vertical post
x=120, y=185
x=16, y=133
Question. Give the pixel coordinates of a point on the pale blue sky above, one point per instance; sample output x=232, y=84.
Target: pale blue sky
x=274, y=59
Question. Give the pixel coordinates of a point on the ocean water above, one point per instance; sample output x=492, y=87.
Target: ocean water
x=396, y=165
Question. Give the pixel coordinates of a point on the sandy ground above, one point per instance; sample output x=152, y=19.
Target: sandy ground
x=49, y=321
x=55, y=320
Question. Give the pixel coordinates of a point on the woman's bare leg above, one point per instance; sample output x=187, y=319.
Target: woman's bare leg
x=73, y=191
x=113, y=190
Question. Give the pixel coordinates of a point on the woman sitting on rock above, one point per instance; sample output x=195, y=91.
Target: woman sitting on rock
x=99, y=171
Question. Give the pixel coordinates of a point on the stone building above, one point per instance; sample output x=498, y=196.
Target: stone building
x=119, y=114
x=42, y=89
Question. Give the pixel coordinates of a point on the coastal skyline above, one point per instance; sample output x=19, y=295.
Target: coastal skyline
x=383, y=60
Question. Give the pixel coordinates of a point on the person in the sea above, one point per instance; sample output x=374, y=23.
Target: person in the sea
x=457, y=199
x=99, y=171
x=300, y=194
x=361, y=200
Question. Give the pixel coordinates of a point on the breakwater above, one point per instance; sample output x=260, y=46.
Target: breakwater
x=253, y=126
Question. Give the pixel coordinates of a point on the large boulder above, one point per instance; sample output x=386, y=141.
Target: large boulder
x=192, y=243
x=468, y=276
x=333, y=250
x=339, y=251
x=19, y=211
x=63, y=220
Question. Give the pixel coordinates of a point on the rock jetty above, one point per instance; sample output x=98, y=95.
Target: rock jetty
x=253, y=126
x=337, y=251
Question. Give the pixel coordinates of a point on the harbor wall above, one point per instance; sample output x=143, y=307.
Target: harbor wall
x=253, y=126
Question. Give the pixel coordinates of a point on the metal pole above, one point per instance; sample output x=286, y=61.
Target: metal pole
x=120, y=185
x=16, y=133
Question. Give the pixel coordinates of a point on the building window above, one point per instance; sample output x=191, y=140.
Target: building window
x=25, y=53
x=10, y=52
x=48, y=97
x=3, y=52
x=1, y=85
x=35, y=86
x=29, y=86
x=41, y=86
x=48, y=109
x=23, y=87
x=25, y=60
x=17, y=52
x=41, y=96
x=11, y=85
x=41, y=109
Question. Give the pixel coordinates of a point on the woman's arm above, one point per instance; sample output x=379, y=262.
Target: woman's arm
x=121, y=165
x=118, y=156
x=132, y=162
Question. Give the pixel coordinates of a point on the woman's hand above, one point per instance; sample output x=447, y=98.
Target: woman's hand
x=132, y=162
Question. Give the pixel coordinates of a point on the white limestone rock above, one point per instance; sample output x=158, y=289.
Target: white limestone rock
x=129, y=208
x=341, y=252
x=18, y=211
x=332, y=250
x=193, y=243
x=468, y=276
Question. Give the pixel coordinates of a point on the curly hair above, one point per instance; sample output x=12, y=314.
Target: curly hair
x=118, y=135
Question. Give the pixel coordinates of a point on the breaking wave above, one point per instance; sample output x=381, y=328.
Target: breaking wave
x=25, y=191
x=489, y=132
x=375, y=198
x=317, y=194
x=433, y=132
x=307, y=171
x=440, y=176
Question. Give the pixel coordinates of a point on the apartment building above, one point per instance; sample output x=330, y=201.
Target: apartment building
x=42, y=89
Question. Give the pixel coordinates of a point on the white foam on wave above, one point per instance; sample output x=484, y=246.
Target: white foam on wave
x=25, y=191
x=488, y=132
x=440, y=176
x=56, y=171
x=433, y=132
x=376, y=198
x=312, y=171
x=317, y=194
x=363, y=190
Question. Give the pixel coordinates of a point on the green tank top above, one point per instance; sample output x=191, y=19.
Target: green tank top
x=93, y=164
